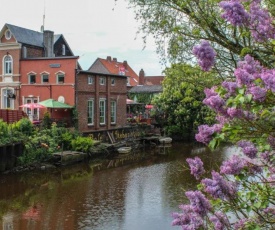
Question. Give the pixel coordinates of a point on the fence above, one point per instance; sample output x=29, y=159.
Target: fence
x=11, y=116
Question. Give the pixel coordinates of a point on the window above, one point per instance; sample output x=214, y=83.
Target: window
x=113, y=81
x=60, y=78
x=102, y=80
x=8, y=34
x=128, y=81
x=90, y=80
x=90, y=112
x=32, y=79
x=45, y=78
x=7, y=65
x=102, y=105
x=7, y=103
x=113, y=112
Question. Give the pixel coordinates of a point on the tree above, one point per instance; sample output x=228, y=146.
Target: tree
x=180, y=105
x=178, y=25
x=241, y=195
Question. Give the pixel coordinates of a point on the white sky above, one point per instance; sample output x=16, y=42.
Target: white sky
x=92, y=28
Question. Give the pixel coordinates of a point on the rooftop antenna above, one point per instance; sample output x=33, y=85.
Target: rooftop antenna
x=43, y=26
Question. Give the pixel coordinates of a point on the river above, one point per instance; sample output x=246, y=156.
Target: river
x=137, y=196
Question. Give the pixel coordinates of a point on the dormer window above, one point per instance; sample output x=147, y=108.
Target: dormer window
x=7, y=65
x=8, y=34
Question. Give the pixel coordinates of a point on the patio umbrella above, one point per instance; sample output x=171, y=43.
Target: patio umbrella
x=32, y=106
x=149, y=106
x=51, y=103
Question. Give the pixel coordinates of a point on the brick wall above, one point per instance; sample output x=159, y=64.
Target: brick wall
x=95, y=91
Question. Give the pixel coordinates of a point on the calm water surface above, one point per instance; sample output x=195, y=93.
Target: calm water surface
x=138, y=196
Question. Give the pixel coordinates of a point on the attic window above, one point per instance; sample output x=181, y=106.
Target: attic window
x=8, y=34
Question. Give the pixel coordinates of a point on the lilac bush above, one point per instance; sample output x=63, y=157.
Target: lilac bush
x=242, y=194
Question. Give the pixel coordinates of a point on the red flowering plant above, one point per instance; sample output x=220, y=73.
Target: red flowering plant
x=241, y=195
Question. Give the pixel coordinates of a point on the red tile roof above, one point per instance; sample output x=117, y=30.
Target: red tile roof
x=115, y=67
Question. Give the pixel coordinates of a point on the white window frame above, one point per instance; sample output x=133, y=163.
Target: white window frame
x=113, y=112
x=58, y=75
x=102, y=80
x=8, y=65
x=102, y=111
x=6, y=102
x=29, y=78
x=90, y=111
x=42, y=79
x=90, y=80
x=113, y=81
x=128, y=80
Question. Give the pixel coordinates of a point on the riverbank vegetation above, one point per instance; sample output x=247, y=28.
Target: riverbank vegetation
x=41, y=143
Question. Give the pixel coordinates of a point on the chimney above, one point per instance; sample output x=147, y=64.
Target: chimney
x=48, y=38
x=125, y=64
x=141, y=77
x=115, y=59
x=109, y=58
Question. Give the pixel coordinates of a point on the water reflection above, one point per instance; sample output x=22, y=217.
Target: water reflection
x=136, y=196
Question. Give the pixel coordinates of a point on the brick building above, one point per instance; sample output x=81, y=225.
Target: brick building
x=100, y=101
x=40, y=65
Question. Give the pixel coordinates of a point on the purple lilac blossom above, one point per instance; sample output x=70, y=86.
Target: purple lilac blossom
x=214, y=102
x=261, y=24
x=210, y=92
x=234, y=113
x=248, y=148
x=233, y=166
x=198, y=202
x=234, y=12
x=196, y=167
x=220, y=221
x=205, y=55
x=230, y=87
x=268, y=77
x=247, y=71
x=205, y=134
x=248, y=115
x=239, y=225
x=271, y=141
x=222, y=119
x=218, y=187
x=258, y=93
x=269, y=211
x=188, y=219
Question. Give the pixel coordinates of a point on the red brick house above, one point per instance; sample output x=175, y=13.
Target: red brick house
x=100, y=101
x=35, y=66
x=112, y=66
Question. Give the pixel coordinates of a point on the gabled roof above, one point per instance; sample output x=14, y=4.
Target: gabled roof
x=112, y=66
x=31, y=37
x=146, y=89
x=26, y=36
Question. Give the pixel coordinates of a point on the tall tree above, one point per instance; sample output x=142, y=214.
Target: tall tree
x=180, y=107
x=178, y=25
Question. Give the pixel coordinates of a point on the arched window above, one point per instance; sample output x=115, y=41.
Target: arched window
x=7, y=65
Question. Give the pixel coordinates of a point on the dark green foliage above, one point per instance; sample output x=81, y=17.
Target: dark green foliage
x=82, y=144
x=179, y=108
